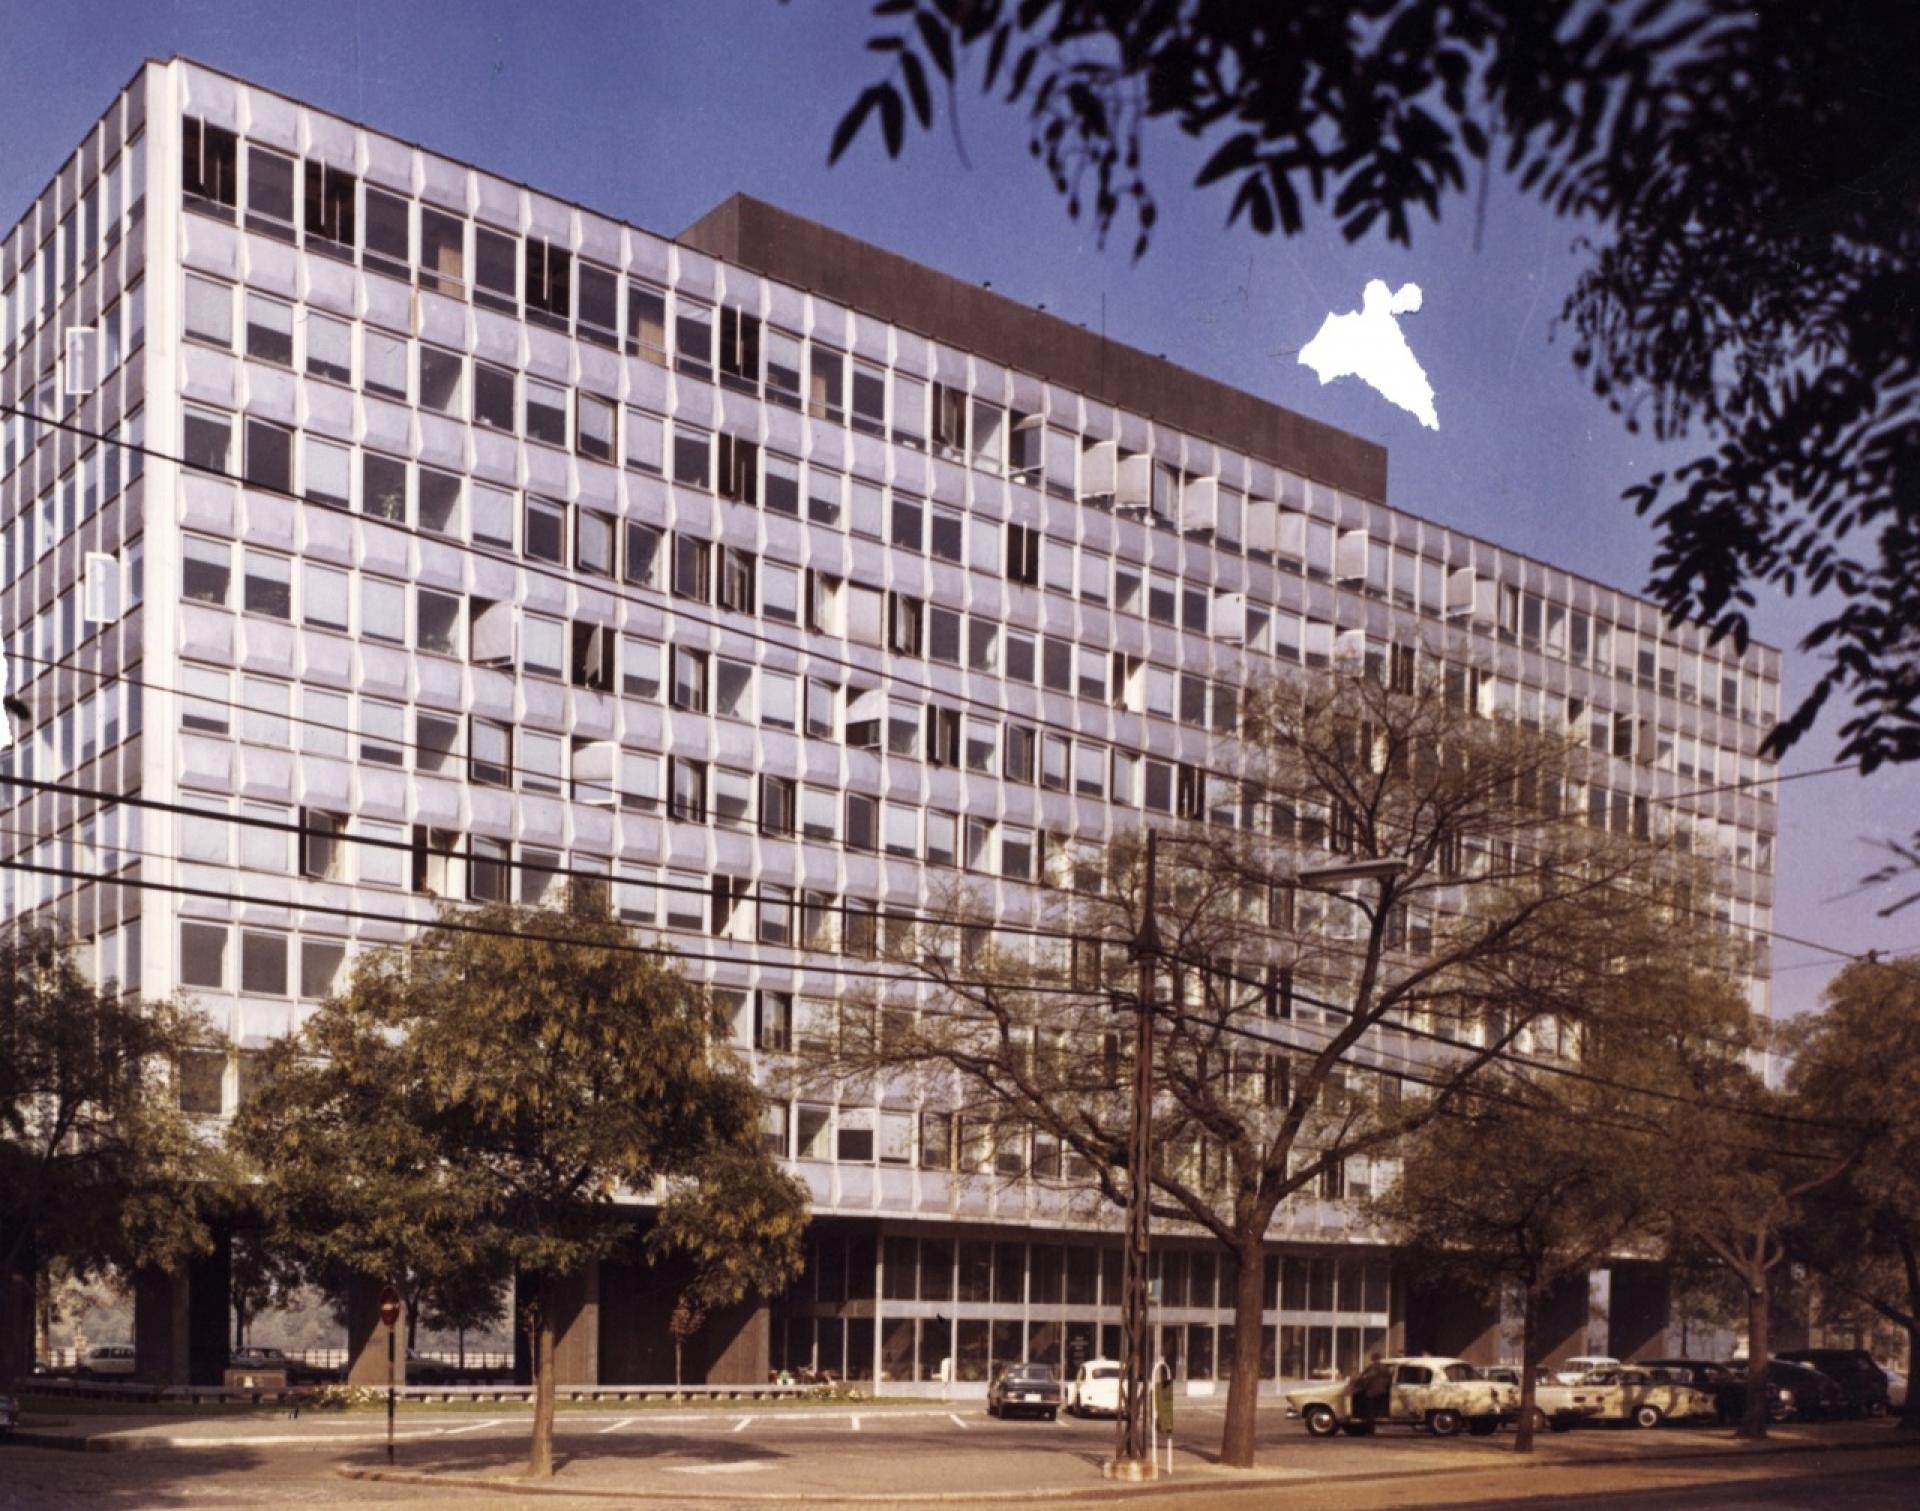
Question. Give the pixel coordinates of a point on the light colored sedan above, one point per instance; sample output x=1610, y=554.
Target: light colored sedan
x=1438, y=1395
x=1094, y=1390
x=1624, y=1393
x=106, y=1359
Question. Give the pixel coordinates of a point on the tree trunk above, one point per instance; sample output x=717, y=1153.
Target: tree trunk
x=460, y=1337
x=540, y=1323
x=1754, y=1424
x=1529, y=1367
x=1243, y=1384
x=678, y=1347
x=1910, y=1413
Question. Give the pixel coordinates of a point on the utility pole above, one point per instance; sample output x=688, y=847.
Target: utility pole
x=1133, y=1448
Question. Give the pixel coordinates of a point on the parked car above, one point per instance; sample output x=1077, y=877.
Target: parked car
x=1728, y=1387
x=1896, y=1387
x=1853, y=1370
x=1632, y=1393
x=1026, y=1389
x=1095, y=1389
x=1567, y=1371
x=1815, y=1396
x=1441, y=1395
x=298, y=1371
x=9, y=1413
x=105, y=1360
x=424, y=1371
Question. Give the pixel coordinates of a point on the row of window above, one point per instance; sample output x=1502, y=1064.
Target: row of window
x=912, y=411
x=90, y=229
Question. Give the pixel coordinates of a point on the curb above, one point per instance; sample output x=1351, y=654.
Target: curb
x=1201, y=1479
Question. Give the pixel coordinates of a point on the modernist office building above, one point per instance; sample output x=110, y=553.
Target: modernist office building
x=394, y=501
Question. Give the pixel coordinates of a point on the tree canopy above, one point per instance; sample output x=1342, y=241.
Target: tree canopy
x=1744, y=174
x=97, y=1163
x=498, y=1096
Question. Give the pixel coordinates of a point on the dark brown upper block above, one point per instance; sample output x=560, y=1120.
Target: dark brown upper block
x=805, y=254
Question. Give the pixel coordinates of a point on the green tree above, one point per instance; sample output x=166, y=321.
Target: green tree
x=1746, y=174
x=1730, y=1172
x=262, y=1274
x=1476, y=916
x=1858, y=1062
x=98, y=1166
x=466, y=1301
x=500, y=1094
x=1517, y=1192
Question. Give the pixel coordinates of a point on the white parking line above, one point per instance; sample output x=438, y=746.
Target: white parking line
x=454, y=1432
x=855, y=1421
x=955, y=1417
x=740, y=1425
x=616, y=1426
x=737, y=1466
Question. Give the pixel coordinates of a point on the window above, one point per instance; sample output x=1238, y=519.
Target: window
x=329, y=347
x=783, y=362
x=739, y=350
x=383, y=610
x=739, y=469
x=646, y=441
x=690, y=680
x=383, y=733
x=440, y=373
x=593, y=543
x=693, y=337
x=323, y=596
x=491, y=762
x=208, y=441
x=205, y=706
x=209, y=311
x=209, y=170
x=383, y=364
x=320, y=963
x=640, y=668
x=266, y=705
x=541, y=762
x=780, y=593
x=687, y=789
x=824, y=493
x=869, y=399
x=437, y=622
x=779, y=700
x=599, y=306
x=321, y=851
x=595, y=438
x=543, y=645
x=691, y=571
x=489, y=863
x=493, y=513
x=496, y=265
x=546, y=538
x=493, y=397
x=732, y=689
x=862, y=821
x=269, y=456
x=269, y=193
x=329, y=204
x=732, y=794
x=389, y=238
x=902, y=830
x=323, y=722
x=546, y=413
x=436, y=742
x=647, y=322
x=268, y=585
x=907, y=515
x=443, y=253
x=203, y=955
x=383, y=486
x=206, y=570
x=439, y=502
x=692, y=457
x=269, y=329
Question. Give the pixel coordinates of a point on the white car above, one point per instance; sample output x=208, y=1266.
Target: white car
x=1440, y=1395
x=1623, y=1393
x=1094, y=1390
x=1572, y=1371
x=1896, y=1387
x=106, y=1359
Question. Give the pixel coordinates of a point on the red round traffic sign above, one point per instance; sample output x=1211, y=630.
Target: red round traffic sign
x=389, y=1306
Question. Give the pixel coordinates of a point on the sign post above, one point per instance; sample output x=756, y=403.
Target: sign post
x=390, y=1319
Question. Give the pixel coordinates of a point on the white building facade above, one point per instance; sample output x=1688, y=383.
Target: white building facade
x=378, y=531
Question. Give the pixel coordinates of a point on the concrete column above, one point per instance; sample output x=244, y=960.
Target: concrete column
x=367, y=1338
x=181, y=1319
x=16, y=1326
x=575, y=1300
x=1452, y=1322
x=735, y=1346
x=1563, y=1320
x=636, y=1301
x=1638, y=1311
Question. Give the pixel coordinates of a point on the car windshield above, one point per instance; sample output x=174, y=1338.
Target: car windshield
x=1104, y=1372
x=1030, y=1372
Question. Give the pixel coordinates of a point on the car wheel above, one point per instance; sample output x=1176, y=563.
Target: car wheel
x=1444, y=1423
x=1054, y=1415
x=993, y=1408
x=1560, y=1424
x=1646, y=1416
x=1321, y=1422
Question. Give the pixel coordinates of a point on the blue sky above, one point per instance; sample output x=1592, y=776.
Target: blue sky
x=654, y=112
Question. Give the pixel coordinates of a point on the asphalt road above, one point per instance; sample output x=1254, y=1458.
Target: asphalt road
x=713, y=1456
